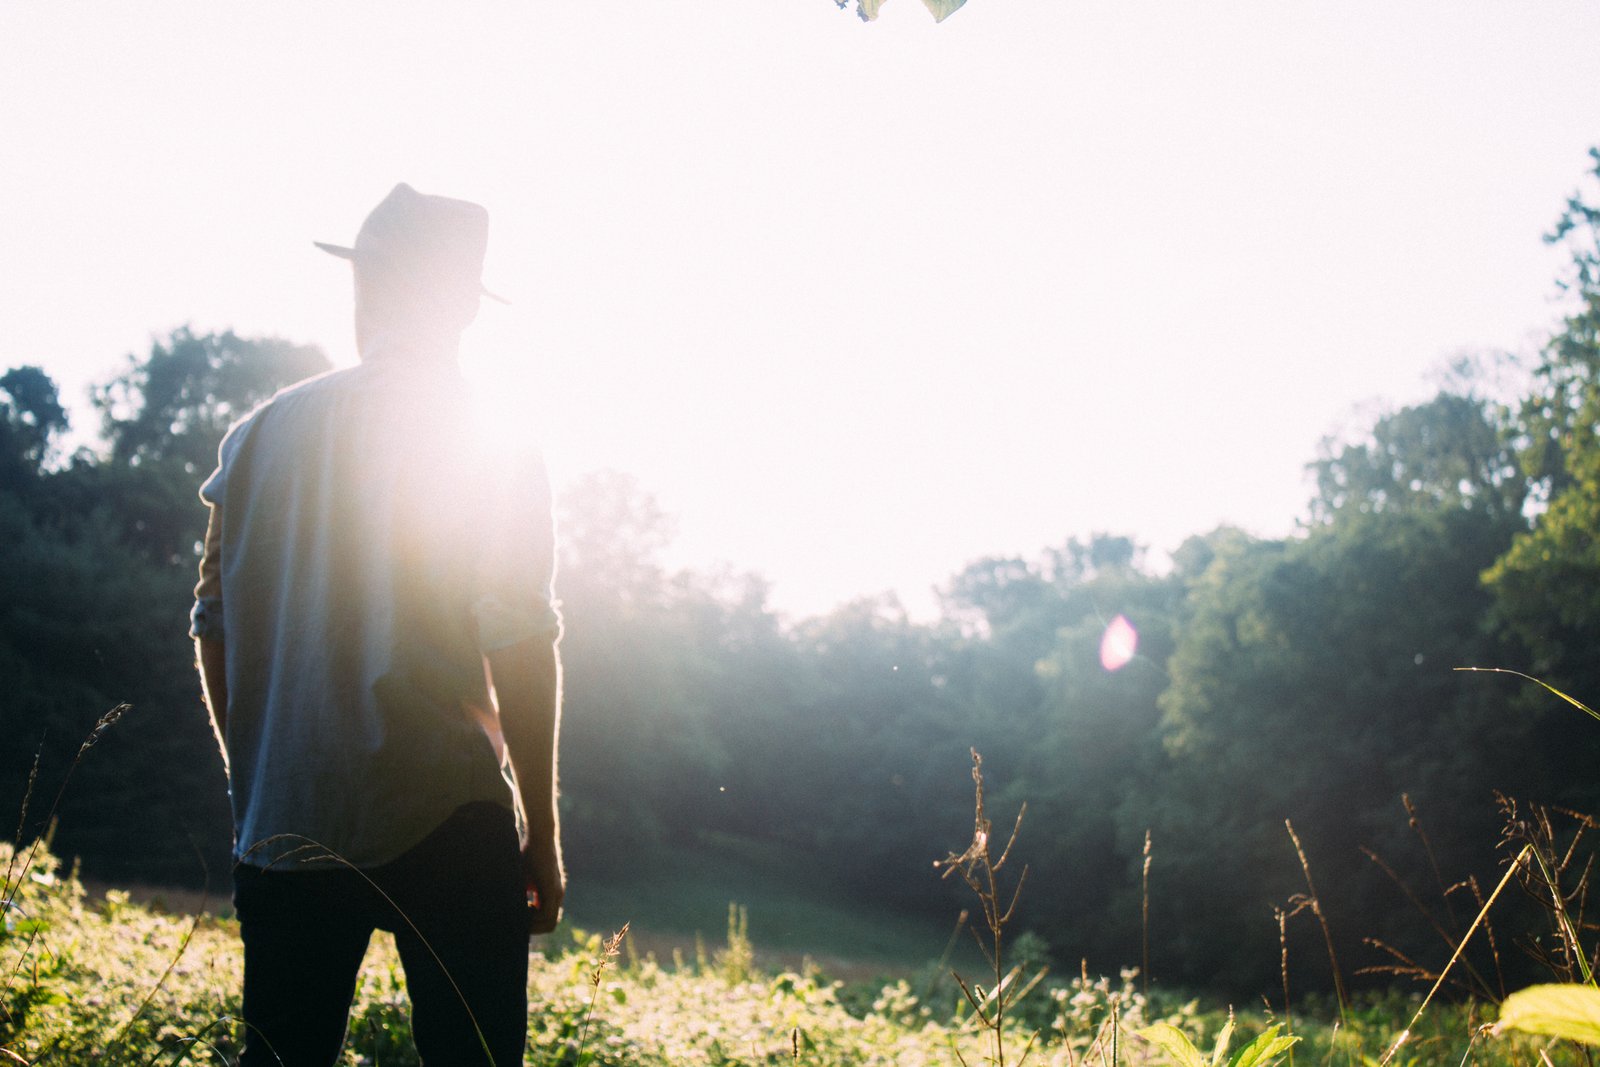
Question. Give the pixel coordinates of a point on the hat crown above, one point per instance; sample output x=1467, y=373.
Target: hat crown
x=434, y=238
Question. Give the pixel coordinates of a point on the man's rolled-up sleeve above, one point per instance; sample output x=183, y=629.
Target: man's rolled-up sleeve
x=205, y=618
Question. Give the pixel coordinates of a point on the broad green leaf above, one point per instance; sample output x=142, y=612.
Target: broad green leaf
x=943, y=9
x=1570, y=1011
x=1169, y=1039
x=868, y=9
x=1263, y=1050
x=1220, y=1049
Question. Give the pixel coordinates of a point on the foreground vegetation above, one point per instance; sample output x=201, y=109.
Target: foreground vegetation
x=89, y=981
x=97, y=981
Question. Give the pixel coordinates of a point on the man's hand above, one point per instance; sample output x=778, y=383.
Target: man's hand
x=547, y=886
x=527, y=680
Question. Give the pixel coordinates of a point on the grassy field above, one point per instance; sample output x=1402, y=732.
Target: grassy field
x=674, y=899
x=108, y=981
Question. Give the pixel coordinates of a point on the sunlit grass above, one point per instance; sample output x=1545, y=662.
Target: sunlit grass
x=87, y=980
x=108, y=982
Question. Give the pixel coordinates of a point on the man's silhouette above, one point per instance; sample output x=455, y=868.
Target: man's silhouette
x=373, y=571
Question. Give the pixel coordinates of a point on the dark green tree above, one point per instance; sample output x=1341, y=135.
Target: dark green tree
x=1312, y=681
x=1451, y=452
x=162, y=417
x=1547, y=586
x=30, y=416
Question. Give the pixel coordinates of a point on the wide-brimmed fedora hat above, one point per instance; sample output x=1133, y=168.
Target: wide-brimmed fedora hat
x=429, y=238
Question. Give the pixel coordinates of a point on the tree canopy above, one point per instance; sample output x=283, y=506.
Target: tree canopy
x=1548, y=585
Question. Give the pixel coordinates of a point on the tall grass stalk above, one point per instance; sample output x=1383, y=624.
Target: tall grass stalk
x=1405, y=1035
x=13, y=877
x=1283, y=970
x=1144, y=919
x=1546, y=887
x=1310, y=900
x=104, y=723
x=22, y=821
x=1488, y=933
x=1475, y=982
x=1415, y=822
x=608, y=952
x=980, y=870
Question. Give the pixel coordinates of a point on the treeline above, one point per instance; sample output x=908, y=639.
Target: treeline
x=1307, y=680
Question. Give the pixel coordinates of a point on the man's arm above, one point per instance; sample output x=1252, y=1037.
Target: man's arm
x=211, y=655
x=527, y=684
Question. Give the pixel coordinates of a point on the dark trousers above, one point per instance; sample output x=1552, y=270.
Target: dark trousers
x=457, y=899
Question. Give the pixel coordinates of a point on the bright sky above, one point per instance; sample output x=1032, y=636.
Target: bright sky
x=858, y=303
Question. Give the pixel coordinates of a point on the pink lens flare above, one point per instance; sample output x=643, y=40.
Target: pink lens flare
x=1118, y=645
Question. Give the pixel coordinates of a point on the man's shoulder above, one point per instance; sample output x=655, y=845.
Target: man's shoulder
x=325, y=384
x=291, y=402
x=311, y=390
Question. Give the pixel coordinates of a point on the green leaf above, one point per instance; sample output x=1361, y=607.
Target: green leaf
x=1263, y=1050
x=1172, y=1041
x=868, y=9
x=1220, y=1049
x=943, y=9
x=1570, y=1011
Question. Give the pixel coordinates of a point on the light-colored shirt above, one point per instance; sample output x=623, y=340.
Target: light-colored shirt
x=367, y=546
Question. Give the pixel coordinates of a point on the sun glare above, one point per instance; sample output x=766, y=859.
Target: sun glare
x=1118, y=644
x=503, y=389
x=499, y=423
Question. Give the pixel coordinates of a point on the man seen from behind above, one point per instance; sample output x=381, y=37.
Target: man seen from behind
x=377, y=642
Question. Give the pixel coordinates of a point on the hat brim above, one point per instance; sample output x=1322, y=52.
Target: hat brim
x=349, y=253
x=336, y=250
